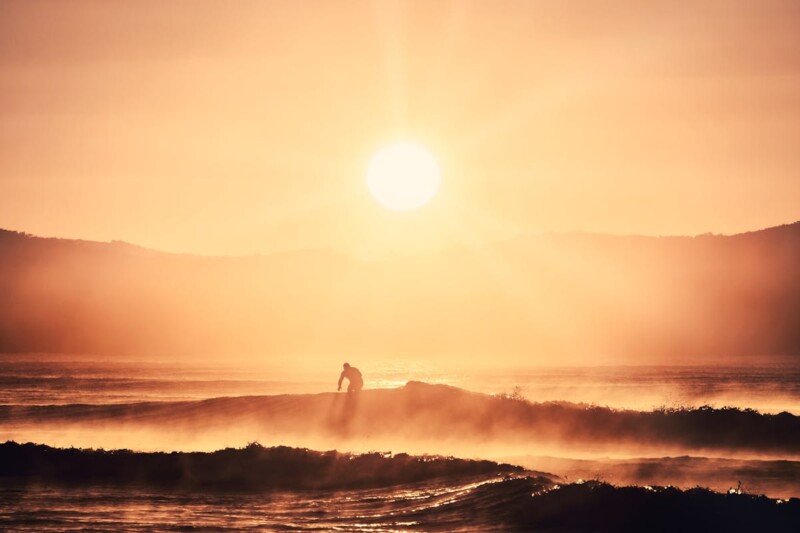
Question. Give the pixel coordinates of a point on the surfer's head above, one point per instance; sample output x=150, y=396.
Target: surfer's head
x=346, y=365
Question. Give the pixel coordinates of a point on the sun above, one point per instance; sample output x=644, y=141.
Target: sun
x=403, y=176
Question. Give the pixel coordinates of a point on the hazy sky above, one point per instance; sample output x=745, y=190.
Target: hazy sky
x=240, y=127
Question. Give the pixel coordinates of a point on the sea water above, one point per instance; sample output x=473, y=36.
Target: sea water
x=54, y=380
x=439, y=505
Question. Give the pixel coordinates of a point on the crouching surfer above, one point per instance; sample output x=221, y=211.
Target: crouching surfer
x=353, y=375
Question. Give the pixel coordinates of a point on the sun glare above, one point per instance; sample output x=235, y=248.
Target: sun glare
x=403, y=176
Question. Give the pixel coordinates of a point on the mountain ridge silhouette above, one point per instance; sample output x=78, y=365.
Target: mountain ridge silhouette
x=533, y=298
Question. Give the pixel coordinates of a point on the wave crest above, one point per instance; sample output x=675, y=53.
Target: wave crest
x=252, y=467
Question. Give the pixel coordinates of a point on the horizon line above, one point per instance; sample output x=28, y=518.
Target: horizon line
x=461, y=244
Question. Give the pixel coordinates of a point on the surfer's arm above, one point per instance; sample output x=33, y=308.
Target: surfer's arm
x=341, y=377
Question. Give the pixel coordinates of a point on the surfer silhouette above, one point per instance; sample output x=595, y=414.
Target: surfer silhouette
x=353, y=376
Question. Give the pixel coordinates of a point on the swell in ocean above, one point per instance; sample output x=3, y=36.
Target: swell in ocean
x=416, y=417
x=49, y=379
x=735, y=454
x=285, y=489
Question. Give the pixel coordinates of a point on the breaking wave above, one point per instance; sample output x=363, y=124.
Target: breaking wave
x=252, y=467
x=437, y=414
x=383, y=493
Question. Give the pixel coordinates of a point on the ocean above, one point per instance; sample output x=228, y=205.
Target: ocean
x=606, y=438
x=40, y=380
x=107, y=508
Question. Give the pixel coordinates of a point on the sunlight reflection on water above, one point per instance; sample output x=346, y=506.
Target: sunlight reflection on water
x=113, y=508
x=767, y=388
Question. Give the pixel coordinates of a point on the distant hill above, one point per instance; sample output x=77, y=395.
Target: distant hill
x=533, y=299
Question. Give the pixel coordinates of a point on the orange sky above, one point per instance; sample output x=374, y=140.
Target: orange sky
x=241, y=127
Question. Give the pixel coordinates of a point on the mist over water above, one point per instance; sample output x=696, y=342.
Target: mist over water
x=52, y=380
x=137, y=493
x=629, y=425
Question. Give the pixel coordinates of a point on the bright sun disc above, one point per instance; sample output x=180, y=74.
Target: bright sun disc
x=403, y=176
